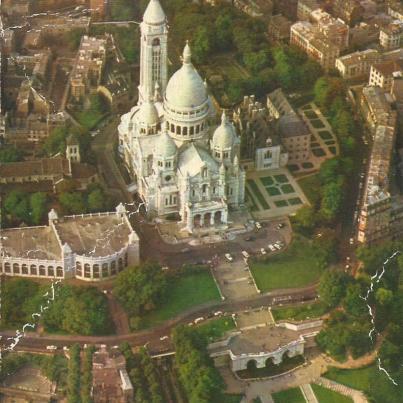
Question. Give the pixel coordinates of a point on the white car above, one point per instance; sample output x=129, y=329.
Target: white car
x=51, y=348
x=245, y=254
x=351, y=241
x=272, y=248
x=229, y=257
x=218, y=313
x=277, y=246
x=164, y=338
x=258, y=225
x=263, y=251
x=198, y=320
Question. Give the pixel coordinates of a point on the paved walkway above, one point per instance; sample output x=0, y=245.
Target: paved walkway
x=356, y=395
x=308, y=393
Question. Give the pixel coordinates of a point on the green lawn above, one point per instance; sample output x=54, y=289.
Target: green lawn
x=287, y=188
x=311, y=187
x=311, y=114
x=325, y=395
x=185, y=292
x=217, y=328
x=281, y=178
x=317, y=123
x=256, y=192
x=296, y=267
x=251, y=200
x=293, y=395
x=232, y=398
x=318, y=152
x=355, y=378
x=294, y=201
x=307, y=165
x=325, y=134
x=300, y=312
x=281, y=203
x=273, y=191
x=267, y=180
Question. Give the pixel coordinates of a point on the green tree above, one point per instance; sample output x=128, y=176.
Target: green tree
x=256, y=61
x=38, y=203
x=16, y=204
x=10, y=154
x=305, y=218
x=72, y=202
x=332, y=287
x=140, y=288
x=201, y=45
x=223, y=31
x=353, y=302
x=332, y=198
x=383, y=296
x=96, y=200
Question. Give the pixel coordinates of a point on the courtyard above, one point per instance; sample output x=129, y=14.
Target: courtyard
x=273, y=193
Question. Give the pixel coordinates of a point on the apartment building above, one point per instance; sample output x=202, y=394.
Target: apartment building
x=391, y=36
x=358, y=64
x=305, y=8
x=382, y=74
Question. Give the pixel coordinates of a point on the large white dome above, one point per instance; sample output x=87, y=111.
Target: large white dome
x=224, y=136
x=148, y=114
x=186, y=88
x=154, y=13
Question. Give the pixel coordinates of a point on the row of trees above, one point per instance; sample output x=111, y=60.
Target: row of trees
x=24, y=207
x=143, y=375
x=73, y=376
x=10, y=154
x=197, y=373
x=86, y=378
x=75, y=310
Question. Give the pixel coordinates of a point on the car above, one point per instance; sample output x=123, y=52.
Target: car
x=351, y=241
x=198, y=320
x=362, y=174
x=162, y=338
x=229, y=257
x=105, y=291
x=263, y=251
x=52, y=348
x=165, y=268
x=249, y=238
x=347, y=266
x=272, y=248
x=65, y=348
x=258, y=225
x=245, y=254
x=277, y=246
x=217, y=313
x=281, y=225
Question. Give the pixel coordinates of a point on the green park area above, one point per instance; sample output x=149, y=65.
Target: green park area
x=358, y=379
x=293, y=395
x=185, y=292
x=300, y=312
x=311, y=187
x=216, y=329
x=325, y=395
x=295, y=267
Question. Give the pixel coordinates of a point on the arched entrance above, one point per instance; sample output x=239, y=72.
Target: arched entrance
x=197, y=221
x=207, y=219
x=217, y=218
x=251, y=365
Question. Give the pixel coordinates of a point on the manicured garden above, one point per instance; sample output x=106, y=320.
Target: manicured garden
x=299, y=312
x=185, y=292
x=354, y=378
x=293, y=395
x=296, y=267
x=255, y=190
x=217, y=328
x=325, y=395
x=311, y=187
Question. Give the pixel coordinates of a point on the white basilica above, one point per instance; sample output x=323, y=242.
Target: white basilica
x=166, y=140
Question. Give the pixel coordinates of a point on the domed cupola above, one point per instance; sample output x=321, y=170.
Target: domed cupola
x=147, y=118
x=166, y=152
x=186, y=102
x=224, y=140
x=154, y=14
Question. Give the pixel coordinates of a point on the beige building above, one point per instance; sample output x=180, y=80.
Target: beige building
x=358, y=64
x=90, y=247
x=390, y=36
x=382, y=74
x=87, y=71
x=395, y=9
x=315, y=44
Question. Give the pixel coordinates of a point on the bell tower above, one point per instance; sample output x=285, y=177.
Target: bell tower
x=153, y=52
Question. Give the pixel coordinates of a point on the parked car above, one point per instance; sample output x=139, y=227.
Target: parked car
x=164, y=338
x=272, y=248
x=245, y=254
x=351, y=241
x=52, y=348
x=281, y=225
x=229, y=257
x=217, y=313
x=258, y=225
x=263, y=251
x=198, y=320
x=277, y=246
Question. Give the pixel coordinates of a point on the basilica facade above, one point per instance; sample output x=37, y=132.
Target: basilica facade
x=181, y=162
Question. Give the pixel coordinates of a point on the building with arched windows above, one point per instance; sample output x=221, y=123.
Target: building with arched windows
x=90, y=247
x=180, y=162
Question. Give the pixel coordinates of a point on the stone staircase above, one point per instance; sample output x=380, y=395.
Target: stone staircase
x=308, y=393
x=356, y=395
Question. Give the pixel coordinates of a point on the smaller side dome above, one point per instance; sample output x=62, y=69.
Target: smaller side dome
x=148, y=113
x=166, y=146
x=154, y=13
x=224, y=136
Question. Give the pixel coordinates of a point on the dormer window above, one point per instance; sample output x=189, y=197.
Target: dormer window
x=204, y=172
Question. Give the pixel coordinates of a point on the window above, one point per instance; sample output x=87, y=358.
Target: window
x=87, y=270
x=204, y=172
x=191, y=130
x=105, y=270
x=113, y=268
x=185, y=131
x=59, y=271
x=42, y=271
x=33, y=270
x=226, y=154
